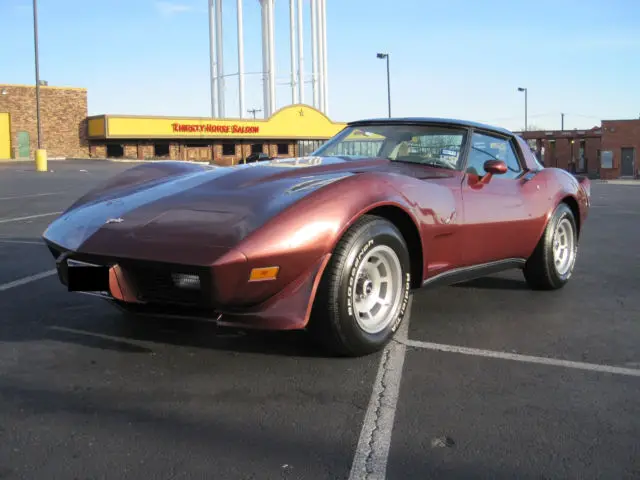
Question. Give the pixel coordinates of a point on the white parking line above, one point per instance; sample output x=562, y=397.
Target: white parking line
x=370, y=460
x=19, y=219
x=593, y=367
x=17, y=197
x=23, y=281
x=22, y=242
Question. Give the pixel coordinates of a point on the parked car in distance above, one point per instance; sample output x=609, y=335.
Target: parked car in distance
x=257, y=157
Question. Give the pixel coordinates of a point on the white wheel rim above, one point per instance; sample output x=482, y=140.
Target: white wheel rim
x=377, y=289
x=563, y=247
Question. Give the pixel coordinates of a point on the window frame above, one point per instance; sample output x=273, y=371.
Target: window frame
x=510, y=141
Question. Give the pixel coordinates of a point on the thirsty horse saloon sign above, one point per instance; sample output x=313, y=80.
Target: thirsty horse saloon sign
x=214, y=128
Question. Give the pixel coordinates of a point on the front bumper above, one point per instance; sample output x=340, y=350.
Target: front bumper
x=134, y=281
x=149, y=288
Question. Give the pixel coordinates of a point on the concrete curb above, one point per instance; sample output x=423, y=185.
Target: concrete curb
x=131, y=160
x=88, y=159
x=635, y=182
x=27, y=160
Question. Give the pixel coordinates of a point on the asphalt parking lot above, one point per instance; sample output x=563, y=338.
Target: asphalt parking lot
x=493, y=380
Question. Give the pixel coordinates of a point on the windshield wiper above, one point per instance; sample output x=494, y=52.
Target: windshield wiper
x=428, y=164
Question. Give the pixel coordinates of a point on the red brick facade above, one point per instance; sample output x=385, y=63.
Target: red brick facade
x=616, y=136
x=562, y=148
x=63, y=113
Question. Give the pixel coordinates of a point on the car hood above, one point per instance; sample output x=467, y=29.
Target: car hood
x=209, y=209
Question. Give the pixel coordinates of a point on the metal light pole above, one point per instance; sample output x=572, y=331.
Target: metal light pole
x=41, y=154
x=521, y=89
x=386, y=56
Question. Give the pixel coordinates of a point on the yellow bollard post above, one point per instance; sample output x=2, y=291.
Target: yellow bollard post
x=41, y=160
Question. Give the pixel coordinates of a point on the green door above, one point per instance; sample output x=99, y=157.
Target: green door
x=24, y=147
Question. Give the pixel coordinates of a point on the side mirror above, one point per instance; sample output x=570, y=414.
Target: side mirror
x=492, y=167
x=495, y=167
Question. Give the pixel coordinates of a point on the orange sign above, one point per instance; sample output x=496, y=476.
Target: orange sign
x=214, y=128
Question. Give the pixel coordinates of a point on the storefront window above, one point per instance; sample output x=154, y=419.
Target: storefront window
x=306, y=147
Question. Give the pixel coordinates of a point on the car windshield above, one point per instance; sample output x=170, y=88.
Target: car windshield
x=432, y=145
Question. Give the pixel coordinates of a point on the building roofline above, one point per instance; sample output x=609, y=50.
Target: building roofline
x=50, y=87
x=218, y=119
x=622, y=120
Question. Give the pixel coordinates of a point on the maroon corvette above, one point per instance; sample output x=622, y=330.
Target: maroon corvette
x=335, y=242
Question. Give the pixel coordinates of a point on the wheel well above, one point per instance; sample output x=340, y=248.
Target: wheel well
x=575, y=209
x=409, y=231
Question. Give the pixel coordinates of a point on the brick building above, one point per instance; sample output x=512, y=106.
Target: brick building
x=63, y=114
x=609, y=151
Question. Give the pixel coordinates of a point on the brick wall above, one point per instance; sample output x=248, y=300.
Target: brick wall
x=592, y=145
x=130, y=150
x=63, y=115
x=618, y=134
x=145, y=151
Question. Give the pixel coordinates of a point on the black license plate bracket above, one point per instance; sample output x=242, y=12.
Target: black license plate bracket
x=83, y=278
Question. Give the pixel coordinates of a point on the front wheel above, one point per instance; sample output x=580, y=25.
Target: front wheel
x=365, y=291
x=551, y=265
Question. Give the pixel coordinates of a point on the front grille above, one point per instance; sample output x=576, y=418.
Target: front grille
x=157, y=285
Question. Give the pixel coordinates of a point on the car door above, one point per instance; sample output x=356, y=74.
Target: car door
x=495, y=213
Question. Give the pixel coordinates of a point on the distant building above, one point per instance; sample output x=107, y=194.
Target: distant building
x=63, y=118
x=609, y=151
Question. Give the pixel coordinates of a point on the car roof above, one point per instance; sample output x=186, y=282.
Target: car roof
x=431, y=121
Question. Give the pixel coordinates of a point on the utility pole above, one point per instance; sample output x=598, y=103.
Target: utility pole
x=253, y=111
x=41, y=154
x=562, y=122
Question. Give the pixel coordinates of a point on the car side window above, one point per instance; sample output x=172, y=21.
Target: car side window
x=487, y=147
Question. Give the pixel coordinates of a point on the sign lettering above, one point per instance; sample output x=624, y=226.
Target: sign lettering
x=214, y=128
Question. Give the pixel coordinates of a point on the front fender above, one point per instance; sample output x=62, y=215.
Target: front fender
x=309, y=229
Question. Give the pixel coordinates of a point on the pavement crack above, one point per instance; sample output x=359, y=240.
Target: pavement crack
x=369, y=468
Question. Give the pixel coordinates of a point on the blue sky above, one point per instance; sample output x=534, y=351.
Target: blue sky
x=453, y=58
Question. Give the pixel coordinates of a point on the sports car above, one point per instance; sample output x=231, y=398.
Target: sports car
x=336, y=242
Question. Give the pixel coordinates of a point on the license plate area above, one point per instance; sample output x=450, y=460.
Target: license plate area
x=84, y=277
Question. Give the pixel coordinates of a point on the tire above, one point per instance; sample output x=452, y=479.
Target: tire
x=546, y=270
x=345, y=290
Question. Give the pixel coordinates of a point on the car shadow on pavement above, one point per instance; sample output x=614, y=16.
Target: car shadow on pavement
x=207, y=335
x=87, y=323
x=495, y=283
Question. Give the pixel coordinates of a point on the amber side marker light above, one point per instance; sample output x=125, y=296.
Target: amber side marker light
x=264, y=273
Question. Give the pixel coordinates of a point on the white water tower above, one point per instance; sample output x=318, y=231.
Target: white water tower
x=299, y=78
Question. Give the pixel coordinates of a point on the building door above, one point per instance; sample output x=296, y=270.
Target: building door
x=5, y=136
x=24, y=147
x=627, y=165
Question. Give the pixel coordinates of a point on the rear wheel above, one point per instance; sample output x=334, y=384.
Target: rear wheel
x=551, y=265
x=364, y=294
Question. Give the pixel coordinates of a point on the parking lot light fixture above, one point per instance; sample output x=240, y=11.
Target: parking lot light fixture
x=386, y=56
x=523, y=89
